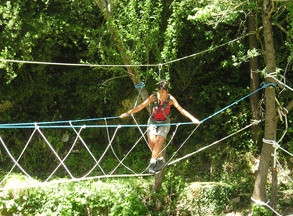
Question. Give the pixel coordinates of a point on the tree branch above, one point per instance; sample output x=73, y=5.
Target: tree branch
x=105, y=7
x=283, y=30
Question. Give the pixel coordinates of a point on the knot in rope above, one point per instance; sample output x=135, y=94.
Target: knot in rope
x=282, y=112
x=255, y=121
x=265, y=85
x=272, y=75
x=139, y=85
x=36, y=125
x=279, y=82
x=271, y=142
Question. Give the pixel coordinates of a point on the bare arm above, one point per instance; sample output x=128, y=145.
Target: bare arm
x=139, y=107
x=184, y=112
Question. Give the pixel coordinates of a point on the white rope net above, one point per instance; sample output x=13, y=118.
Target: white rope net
x=123, y=163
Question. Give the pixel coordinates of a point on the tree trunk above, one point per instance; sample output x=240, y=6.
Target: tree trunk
x=105, y=7
x=266, y=162
x=254, y=80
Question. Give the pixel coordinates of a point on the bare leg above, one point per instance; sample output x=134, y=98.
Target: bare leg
x=157, y=161
x=156, y=153
x=151, y=140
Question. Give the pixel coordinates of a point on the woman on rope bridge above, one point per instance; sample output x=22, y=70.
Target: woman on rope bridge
x=161, y=104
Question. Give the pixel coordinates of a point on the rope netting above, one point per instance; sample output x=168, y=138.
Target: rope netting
x=73, y=131
x=123, y=167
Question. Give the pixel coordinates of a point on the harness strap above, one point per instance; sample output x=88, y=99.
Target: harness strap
x=155, y=107
x=165, y=105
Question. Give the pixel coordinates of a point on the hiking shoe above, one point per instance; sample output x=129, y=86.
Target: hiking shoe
x=160, y=165
x=152, y=168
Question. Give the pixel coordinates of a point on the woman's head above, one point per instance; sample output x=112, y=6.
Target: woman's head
x=163, y=85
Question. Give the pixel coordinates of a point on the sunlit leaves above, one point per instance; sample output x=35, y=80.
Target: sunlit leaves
x=139, y=24
x=216, y=12
x=7, y=67
x=173, y=31
x=242, y=57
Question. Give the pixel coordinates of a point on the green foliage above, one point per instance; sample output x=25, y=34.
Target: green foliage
x=195, y=193
x=259, y=210
x=218, y=12
x=87, y=198
x=245, y=57
x=48, y=34
x=210, y=198
x=174, y=30
x=173, y=186
x=129, y=203
x=140, y=24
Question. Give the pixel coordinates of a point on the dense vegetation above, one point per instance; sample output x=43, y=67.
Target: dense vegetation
x=204, y=54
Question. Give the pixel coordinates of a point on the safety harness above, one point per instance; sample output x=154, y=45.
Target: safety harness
x=161, y=110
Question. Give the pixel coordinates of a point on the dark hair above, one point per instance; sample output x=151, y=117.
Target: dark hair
x=163, y=85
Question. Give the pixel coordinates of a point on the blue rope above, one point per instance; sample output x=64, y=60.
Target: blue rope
x=140, y=85
x=32, y=124
x=84, y=126
x=48, y=124
x=263, y=86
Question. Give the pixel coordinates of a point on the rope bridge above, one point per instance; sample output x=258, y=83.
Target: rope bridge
x=76, y=127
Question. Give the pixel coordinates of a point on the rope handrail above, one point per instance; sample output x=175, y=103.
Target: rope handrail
x=236, y=102
x=48, y=124
x=75, y=64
